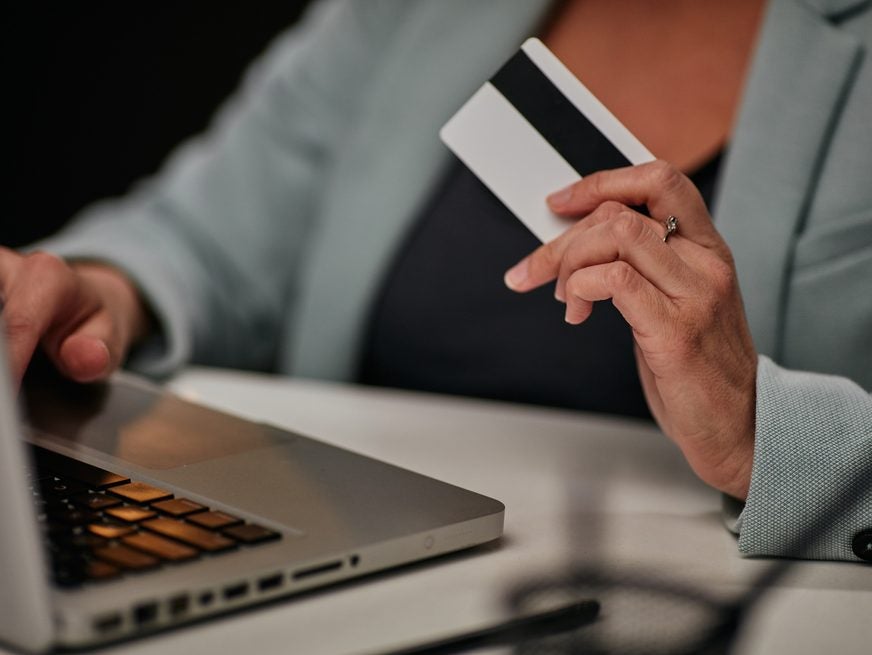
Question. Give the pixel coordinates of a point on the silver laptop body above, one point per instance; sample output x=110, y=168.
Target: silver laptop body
x=338, y=514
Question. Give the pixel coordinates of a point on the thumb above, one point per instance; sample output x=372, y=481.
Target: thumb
x=92, y=352
x=84, y=359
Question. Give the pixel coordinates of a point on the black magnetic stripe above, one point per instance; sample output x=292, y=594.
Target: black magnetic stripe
x=559, y=122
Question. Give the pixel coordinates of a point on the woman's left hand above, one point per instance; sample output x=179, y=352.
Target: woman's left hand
x=694, y=350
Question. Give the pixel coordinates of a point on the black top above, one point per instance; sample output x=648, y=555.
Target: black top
x=445, y=322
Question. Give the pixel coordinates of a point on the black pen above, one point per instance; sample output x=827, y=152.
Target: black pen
x=562, y=619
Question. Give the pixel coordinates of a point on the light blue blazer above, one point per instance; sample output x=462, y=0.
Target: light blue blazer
x=263, y=242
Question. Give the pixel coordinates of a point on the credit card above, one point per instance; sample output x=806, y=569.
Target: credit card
x=534, y=128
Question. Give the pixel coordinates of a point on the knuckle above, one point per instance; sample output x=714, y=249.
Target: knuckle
x=622, y=277
x=723, y=278
x=595, y=183
x=665, y=175
x=45, y=263
x=49, y=273
x=8, y=259
x=574, y=286
x=726, y=256
x=611, y=208
x=628, y=227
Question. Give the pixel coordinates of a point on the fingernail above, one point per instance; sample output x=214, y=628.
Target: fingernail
x=560, y=198
x=558, y=296
x=108, y=368
x=517, y=275
x=86, y=358
x=569, y=319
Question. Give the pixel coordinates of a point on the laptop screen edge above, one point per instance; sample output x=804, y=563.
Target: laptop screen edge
x=25, y=603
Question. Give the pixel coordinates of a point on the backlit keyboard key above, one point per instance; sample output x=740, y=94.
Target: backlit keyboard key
x=109, y=530
x=152, y=544
x=99, y=570
x=99, y=525
x=140, y=492
x=190, y=534
x=251, y=533
x=126, y=558
x=96, y=502
x=178, y=507
x=214, y=520
x=130, y=513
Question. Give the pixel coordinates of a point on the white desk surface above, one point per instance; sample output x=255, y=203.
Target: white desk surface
x=577, y=488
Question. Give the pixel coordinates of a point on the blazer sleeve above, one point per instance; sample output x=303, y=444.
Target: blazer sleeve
x=214, y=240
x=811, y=484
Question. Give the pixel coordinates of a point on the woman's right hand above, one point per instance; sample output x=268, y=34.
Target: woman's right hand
x=84, y=315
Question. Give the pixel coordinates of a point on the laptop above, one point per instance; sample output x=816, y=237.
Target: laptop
x=126, y=510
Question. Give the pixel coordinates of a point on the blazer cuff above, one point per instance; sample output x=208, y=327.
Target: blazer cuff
x=813, y=437
x=732, y=511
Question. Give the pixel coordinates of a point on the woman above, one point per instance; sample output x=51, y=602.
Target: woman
x=283, y=238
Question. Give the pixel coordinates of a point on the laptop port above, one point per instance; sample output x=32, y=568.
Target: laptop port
x=317, y=570
x=145, y=613
x=179, y=605
x=270, y=582
x=235, y=591
x=108, y=623
x=355, y=560
x=206, y=598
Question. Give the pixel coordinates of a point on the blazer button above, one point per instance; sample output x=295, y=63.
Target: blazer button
x=862, y=545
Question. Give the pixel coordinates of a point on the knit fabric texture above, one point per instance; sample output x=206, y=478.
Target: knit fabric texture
x=811, y=485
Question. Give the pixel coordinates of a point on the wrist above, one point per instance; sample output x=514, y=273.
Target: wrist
x=727, y=460
x=719, y=445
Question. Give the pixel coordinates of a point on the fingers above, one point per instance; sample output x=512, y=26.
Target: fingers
x=641, y=304
x=626, y=236
x=695, y=357
x=92, y=348
x=33, y=286
x=45, y=302
x=612, y=232
x=85, y=355
x=658, y=185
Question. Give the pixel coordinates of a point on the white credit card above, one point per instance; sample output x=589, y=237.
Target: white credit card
x=533, y=129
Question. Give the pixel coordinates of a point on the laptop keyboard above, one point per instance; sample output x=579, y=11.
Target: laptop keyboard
x=100, y=525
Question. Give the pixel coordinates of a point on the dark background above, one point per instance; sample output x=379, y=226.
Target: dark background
x=100, y=91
